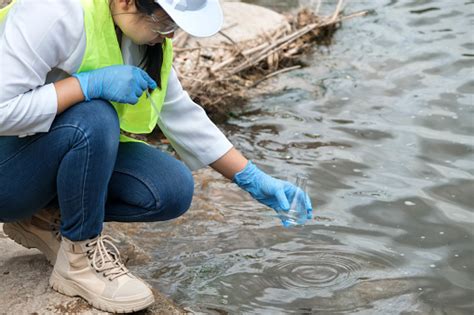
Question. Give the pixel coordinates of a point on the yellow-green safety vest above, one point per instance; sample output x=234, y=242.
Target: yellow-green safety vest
x=102, y=50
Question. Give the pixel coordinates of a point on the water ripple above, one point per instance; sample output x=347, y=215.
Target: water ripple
x=334, y=270
x=312, y=271
x=382, y=125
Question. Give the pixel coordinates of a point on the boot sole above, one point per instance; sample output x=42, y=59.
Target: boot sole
x=29, y=240
x=71, y=288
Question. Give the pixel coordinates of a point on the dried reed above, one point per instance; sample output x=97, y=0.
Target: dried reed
x=219, y=76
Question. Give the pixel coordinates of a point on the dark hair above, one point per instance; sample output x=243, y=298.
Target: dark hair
x=153, y=56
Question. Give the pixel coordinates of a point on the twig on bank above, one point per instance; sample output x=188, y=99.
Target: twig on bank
x=274, y=74
x=224, y=72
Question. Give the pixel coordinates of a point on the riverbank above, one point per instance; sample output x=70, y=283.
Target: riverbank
x=24, y=274
x=254, y=45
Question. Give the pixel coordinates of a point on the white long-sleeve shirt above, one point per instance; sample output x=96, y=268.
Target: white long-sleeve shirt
x=43, y=41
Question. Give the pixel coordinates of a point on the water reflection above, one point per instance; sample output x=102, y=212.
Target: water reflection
x=383, y=125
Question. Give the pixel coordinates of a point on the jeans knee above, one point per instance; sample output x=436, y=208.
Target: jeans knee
x=186, y=192
x=102, y=121
x=176, y=199
x=95, y=123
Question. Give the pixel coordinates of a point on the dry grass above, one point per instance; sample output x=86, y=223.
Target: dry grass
x=219, y=77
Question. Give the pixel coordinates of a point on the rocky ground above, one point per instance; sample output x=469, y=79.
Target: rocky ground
x=24, y=274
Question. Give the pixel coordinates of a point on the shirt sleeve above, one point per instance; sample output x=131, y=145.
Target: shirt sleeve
x=196, y=139
x=36, y=37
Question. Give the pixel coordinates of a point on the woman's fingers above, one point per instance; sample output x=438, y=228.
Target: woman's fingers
x=142, y=83
x=309, y=207
x=282, y=200
x=150, y=82
x=130, y=99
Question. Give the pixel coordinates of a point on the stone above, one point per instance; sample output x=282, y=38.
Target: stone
x=243, y=22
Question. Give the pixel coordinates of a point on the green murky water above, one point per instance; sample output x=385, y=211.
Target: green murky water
x=382, y=122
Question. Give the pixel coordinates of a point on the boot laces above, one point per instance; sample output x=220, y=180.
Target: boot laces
x=55, y=228
x=105, y=258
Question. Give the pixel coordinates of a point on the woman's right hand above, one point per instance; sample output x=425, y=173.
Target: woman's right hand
x=119, y=83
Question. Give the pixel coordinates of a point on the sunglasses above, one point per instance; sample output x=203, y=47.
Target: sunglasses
x=162, y=25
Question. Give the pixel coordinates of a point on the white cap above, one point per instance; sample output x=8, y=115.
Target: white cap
x=200, y=18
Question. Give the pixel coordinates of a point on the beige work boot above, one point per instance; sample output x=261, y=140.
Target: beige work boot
x=41, y=231
x=92, y=270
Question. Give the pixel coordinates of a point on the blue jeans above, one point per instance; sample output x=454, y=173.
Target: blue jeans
x=81, y=165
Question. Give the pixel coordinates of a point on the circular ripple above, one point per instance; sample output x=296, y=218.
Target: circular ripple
x=324, y=270
x=327, y=270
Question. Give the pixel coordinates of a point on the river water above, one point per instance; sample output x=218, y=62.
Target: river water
x=382, y=122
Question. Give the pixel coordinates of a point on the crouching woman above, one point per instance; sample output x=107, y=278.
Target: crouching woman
x=77, y=78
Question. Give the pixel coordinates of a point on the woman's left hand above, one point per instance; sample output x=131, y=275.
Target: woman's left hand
x=272, y=192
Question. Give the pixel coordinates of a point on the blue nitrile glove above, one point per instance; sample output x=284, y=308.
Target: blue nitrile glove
x=272, y=192
x=120, y=83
